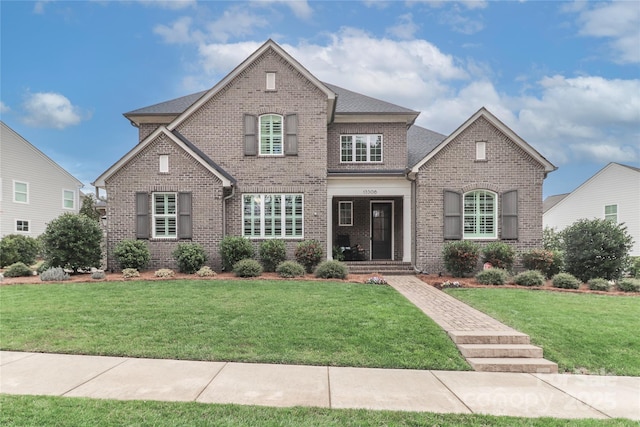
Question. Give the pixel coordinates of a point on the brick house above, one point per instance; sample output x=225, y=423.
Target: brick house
x=272, y=152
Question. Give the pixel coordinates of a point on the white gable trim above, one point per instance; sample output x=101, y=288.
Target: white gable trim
x=269, y=44
x=483, y=112
x=100, y=182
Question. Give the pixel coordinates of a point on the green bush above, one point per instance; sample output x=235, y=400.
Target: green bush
x=44, y=266
x=88, y=208
x=529, y=278
x=565, y=281
x=552, y=240
x=128, y=273
x=596, y=248
x=332, y=270
x=190, y=257
x=18, y=248
x=205, y=271
x=247, y=268
x=18, y=269
x=634, y=266
x=290, y=269
x=492, y=276
x=599, y=284
x=337, y=253
x=549, y=262
x=55, y=274
x=272, y=252
x=132, y=254
x=461, y=257
x=309, y=253
x=499, y=255
x=72, y=241
x=629, y=285
x=234, y=249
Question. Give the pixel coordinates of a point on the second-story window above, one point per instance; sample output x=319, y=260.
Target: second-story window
x=68, y=199
x=271, y=135
x=361, y=148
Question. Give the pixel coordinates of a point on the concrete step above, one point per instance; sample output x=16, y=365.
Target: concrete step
x=380, y=267
x=489, y=337
x=500, y=350
x=522, y=365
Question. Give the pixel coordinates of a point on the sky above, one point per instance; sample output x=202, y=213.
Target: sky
x=565, y=76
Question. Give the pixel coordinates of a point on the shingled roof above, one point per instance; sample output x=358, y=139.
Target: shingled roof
x=420, y=142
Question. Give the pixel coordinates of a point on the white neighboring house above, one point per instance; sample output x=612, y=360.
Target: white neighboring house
x=612, y=193
x=33, y=188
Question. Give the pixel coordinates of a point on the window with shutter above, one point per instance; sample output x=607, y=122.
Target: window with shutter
x=271, y=135
x=510, y=215
x=452, y=215
x=479, y=218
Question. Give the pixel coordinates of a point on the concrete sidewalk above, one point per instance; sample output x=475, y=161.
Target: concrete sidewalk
x=516, y=394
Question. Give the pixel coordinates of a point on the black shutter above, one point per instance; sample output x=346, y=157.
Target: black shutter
x=185, y=227
x=452, y=215
x=291, y=137
x=510, y=215
x=250, y=135
x=142, y=216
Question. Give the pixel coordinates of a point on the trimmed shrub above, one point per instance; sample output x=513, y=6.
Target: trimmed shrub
x=289, y=269
x=247, y=268
x=492, y=276
x=529, y=278
x=565, y=281
x=205, y=271
x=55, y=274
x=72, y=241
x=332, y=270
x=272, y=252
x=499, y=255
x=18, y=248
x=461, y=257
x=549, y=262
x=629, y=285
x=18, y=269
x=308, y=253
x=98, y=275
x=129, y=273
x=234, y=249
x=132, y=254
x=599, y=284
x=190, y=257
x=164, y=273
x=596, y=248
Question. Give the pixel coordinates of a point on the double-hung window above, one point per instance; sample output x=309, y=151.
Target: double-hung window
x=22, y=225
x=165, y=215
x=271, y=135
x=611, y=213
x=68, y=199
x=345, y=213
x=361, y=148
x=20, y=192
x=480, y=209
x=272, y=215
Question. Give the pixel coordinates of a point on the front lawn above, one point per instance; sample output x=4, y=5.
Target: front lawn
x=262, y=321
x=583, y=333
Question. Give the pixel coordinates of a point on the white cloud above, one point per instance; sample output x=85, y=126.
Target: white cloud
x=617, y=21
x=405, y=28
x=4, y=108
x=235, y=22
x=38, y=7
x=51, y=110
x=300, y=8
x=179, y=32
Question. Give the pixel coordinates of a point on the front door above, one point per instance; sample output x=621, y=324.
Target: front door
x=381, y=234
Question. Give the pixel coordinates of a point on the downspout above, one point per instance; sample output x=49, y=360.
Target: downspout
x=411, y=176
x=224, y=210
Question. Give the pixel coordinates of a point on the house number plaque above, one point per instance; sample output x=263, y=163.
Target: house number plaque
x=369, y=191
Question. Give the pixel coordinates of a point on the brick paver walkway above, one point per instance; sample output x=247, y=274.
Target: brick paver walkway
x=446, y=311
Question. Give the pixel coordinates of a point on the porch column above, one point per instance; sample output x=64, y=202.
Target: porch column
x=329, y=227
x=407, y=208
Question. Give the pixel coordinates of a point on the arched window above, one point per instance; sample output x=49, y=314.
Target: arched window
x=271, y=135
x=480, y=215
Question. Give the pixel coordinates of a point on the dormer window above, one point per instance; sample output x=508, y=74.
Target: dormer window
x=271, y=81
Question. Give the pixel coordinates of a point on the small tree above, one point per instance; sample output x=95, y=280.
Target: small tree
x=596, y=248
x=73, y=241
x=18, y=248
x=88, y=207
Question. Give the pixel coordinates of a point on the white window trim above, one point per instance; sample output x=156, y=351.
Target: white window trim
x=617, y=212
x=481, y=150
x=163, y=163
x=283, y=229
x=370, y=137
x=350, y=223
x=270, y=80
x=15, y=225
x=14, y=191
x=64, y=190
x=154, y=216
x=496, y=218
x=282, y=136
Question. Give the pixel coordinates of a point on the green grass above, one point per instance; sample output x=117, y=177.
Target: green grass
x=293, y=322
x=59, y=411
x=596, y=334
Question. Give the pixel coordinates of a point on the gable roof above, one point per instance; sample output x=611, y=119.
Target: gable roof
x=180, y=141
x=173, y=106
x=551, y=201
x=350, y=102
x=16, y=136
x=484, y=113
x=420, y=142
